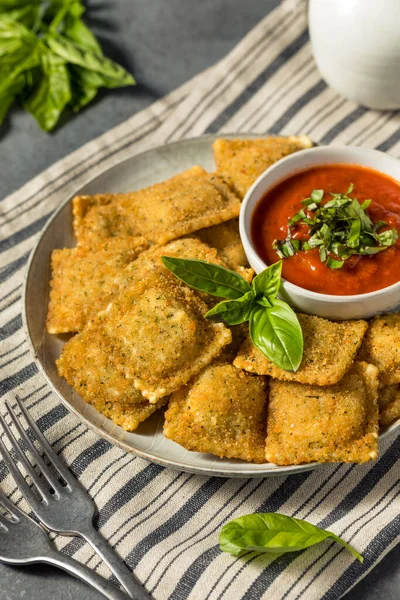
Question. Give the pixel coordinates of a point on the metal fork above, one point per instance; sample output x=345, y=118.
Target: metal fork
x=63, y=504
x=22, y=541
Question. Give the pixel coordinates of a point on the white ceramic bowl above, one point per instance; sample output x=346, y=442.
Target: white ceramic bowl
x=360, y=306
x=356, y=45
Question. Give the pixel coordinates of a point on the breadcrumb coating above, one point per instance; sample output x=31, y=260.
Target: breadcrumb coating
x=153, y=333
x=240, y=162
x=84, y=280
x=338, y=423
x=381, y=347
x=223, y=412
x=329, y=351
x=162, y=212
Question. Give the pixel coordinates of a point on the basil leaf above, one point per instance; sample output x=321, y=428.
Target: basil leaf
x=76, y=31
x=233, y=312
x=81, y=56
x=275, y=533
x=268, y=281
x=9, y=75
x=207, y=277
x=263, y=301
x=276, y=332
x=91, y=79
x=52, y=93
x=8, y=96
x=332, y=263
x=15, y=41
x=317, y=195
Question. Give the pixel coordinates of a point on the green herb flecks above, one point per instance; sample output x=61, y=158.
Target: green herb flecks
x=339, y=228
x=274, y=533
x=274, y=326
x=50, y=60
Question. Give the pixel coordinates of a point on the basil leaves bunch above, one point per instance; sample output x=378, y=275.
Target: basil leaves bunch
x=50, y=60
x=275, y=533
x=339, y=228
x=274, y=327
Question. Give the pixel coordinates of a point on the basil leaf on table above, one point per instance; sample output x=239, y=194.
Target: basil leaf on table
x=268, y=281
x=52, y=94
x=207, y=277
x=84, y=57
x=276, y=332
x=274, y=533
x=233, y=312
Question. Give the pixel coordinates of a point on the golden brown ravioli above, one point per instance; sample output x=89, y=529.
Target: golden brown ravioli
x=338, y=423
x=389, y=404
x=241, y=161
x=223, y=411
x=381, y=347
x=153, y=333
x=87, y=366
x=329, y=351
x=226, y=239
x=162, y=212
x=83, y=281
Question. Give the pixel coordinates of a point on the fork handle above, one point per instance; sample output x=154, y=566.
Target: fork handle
x=77, y=569
x=132, y=586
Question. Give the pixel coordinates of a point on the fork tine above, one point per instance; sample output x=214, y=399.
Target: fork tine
x=9, y=506
x=39, y=460
x=25, y=489
x=20, y=481
x=53, y=457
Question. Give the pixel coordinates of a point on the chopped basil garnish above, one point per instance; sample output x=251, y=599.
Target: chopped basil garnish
x=339, y=228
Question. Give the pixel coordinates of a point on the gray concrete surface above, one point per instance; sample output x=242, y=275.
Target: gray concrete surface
x=164, y=42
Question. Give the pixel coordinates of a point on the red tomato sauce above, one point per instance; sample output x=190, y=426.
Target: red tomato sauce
x=359, y=274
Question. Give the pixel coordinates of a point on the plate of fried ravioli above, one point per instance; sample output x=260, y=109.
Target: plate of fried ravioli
x=125, y=344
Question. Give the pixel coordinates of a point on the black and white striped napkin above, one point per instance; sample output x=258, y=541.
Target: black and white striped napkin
x=164, y=523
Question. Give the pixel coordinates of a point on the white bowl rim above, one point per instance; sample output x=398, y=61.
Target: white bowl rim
x=246, y=236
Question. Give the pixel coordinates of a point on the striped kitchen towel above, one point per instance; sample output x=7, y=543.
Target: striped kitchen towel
x=164, y=523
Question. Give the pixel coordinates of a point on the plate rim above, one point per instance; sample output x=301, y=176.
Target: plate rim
x=246, y=471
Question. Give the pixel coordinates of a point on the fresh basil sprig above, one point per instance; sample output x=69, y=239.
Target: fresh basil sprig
x=50, y=60
x=274, y=326
x=340, y=228
x=274, y=533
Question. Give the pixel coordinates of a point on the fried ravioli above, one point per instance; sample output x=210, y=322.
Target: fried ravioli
x=381, y=347
x=84, y=280
x=389, y=404
x=154, y=334
x=162, y=212
x=241, y=161
x=226, y=239
x=339, y=423
x=87, y=366
x=223, y=411
x=329, y=351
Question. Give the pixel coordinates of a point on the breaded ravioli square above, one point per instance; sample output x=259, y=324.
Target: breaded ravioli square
x=329, y=351
x=381, y=347
x=83, y=281
x=223, y=412
x=87, y=366
x=241, y=161
x=389, y=404
x=226, y=239
x=162, y=212
x=338, y=423
x=153, y=332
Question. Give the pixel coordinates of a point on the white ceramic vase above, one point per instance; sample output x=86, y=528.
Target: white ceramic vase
x=356, y=45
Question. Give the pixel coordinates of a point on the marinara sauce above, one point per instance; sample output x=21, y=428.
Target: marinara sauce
x=359, y=274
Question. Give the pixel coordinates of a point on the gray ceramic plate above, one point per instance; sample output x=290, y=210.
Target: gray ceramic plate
x=148, y=440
